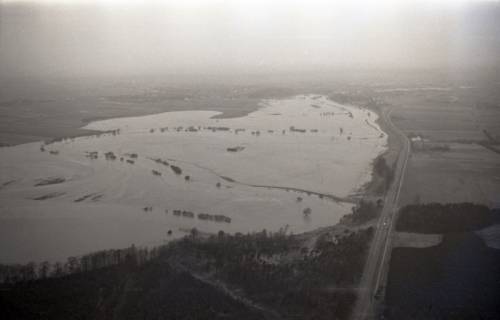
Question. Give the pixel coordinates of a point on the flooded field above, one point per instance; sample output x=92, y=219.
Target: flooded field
x=293, y=164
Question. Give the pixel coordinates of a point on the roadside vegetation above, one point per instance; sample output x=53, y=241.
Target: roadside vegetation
x=384, y=173
x=363, y=212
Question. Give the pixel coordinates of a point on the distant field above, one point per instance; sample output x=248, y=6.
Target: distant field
x=455, y=120
x=466, y=173
x=43, y=110
x=437, y=218
x=23, y=122
x=450, y=115
x=459, y=279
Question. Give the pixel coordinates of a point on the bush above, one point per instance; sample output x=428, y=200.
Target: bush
x=382, y=169
x=176, y=169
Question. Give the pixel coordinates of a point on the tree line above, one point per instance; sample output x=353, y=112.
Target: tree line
x=15, y=273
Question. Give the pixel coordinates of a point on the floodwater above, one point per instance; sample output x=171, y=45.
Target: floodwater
x=293, y=164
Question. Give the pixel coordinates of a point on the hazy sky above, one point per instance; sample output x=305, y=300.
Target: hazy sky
x=113, y=37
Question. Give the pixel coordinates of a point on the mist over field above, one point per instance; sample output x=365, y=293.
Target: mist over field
x=76, y=38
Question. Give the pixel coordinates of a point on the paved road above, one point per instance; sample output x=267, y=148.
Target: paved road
x=373, y=279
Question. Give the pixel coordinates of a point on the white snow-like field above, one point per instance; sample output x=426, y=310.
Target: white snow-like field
x=293, y=163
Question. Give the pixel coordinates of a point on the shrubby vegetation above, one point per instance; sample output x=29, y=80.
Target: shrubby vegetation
x=110, y=155
x=92, y=154
x=161, y=161
x=273, y=271
x=49, y=196
x=445, y=218
x=153, y=290
x=261, y=265
x=176, y=169
x=235, y=149
x=383, y=171
x=10, y=274
x=202, y=216
x=363, y=212
x=49, y=181
x=91, y=196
